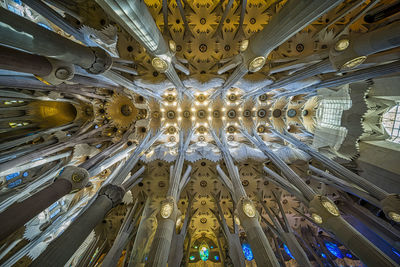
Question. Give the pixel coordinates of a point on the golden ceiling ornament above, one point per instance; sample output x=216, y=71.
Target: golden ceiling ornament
x=394, y=216
x=257, y=63
x=121, y=111
x=342, y=44
x=316, y=218
x=167, y=207
x=159, y=64
x=248, y=208
x=353, y=63
x=330, y=207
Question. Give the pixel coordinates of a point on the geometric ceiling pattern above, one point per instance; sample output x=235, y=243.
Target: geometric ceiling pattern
x=199, y=133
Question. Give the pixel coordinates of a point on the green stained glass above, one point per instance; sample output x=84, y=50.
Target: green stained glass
x=204, y=252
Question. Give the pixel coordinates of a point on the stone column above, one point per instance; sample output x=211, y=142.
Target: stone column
x=121, y=240
x=61, y=249
x=263, y=253
x=144, y=235
x=351, y=77
x=21, y=33
x=71, y=179
x=136, y=19
x=166, y=219
x=358, y=47
x=17, y=60
x=325, y=213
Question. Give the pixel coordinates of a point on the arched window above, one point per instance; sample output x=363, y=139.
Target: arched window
x=391, y=122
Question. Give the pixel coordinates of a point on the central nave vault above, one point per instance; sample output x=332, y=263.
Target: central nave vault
x=199, y=133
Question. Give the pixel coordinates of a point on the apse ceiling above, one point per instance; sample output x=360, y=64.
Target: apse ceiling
x=199, y=101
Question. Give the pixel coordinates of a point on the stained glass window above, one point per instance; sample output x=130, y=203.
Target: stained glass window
x=12, y=175
x=333, y=249
x=391, y=122
x=15, y=183
x=287, y=251
x=204, y=252
x=248, y=254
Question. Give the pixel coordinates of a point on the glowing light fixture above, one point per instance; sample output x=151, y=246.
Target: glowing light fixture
x=166, y=209
x=353, y=63
x=159, y=64
x=243, y=46
x=172, y=46
x=342, y=44
x=316, y=218
x=394, y=216
x=237, y=220
x=257, y=63
x=249, y=209
x=330, y=207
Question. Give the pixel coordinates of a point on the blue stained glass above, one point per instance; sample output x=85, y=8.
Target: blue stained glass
x=323, y=255
x=333, y=248
x=14, y=10
x=396, y=252
x=348, y=255
x=12, y=175
x=287, y=251
x=216, y=258
x=25, y=174
x=248, y=254
x=18, y=2
x=191, y=258
x=55, y=213
x=45, y=26
x=53, y=205
x=15, y=183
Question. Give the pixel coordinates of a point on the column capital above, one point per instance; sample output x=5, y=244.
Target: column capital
x=78, y=177
x=114, y=192
x=102, y=61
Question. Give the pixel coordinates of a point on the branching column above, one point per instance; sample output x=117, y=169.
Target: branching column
x=166, y=218
x=248, y=214
x=294, y=16
x=390, y=203
x=136, y=19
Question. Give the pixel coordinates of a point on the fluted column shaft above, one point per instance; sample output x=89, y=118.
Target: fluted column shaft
x=21, y=33
x=143, y=235
x=351, y=77
x=159, y=251
x=19, y=213
x=62, y=248
x=136, y=19
x=295, y=248
x=263, y=253
x=337, y=168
